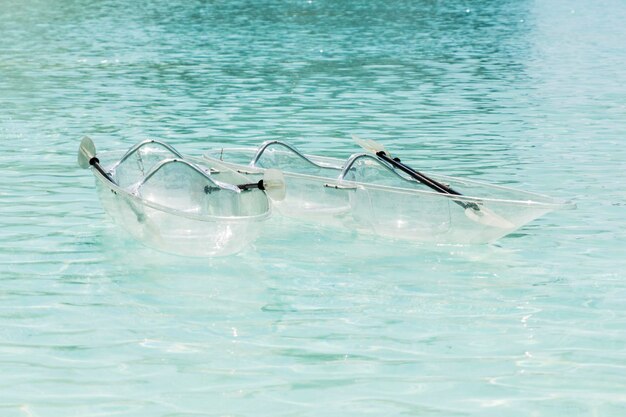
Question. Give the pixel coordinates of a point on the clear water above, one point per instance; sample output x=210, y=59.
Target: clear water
x=308, y=321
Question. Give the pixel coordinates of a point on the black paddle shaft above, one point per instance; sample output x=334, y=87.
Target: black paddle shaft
x=244, y=187
x=95, y=162
x=427, y=181
x=253, y=185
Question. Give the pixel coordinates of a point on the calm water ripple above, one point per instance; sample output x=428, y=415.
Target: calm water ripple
x=311, y=321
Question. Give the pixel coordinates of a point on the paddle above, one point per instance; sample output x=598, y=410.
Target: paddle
x=273, y=183
x=472, y=210
x=87, y=157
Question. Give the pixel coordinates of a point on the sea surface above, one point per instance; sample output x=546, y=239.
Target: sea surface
x=312, y=321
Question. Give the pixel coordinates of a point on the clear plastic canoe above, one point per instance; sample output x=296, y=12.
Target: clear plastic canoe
x=366, y=194
x=180, y=204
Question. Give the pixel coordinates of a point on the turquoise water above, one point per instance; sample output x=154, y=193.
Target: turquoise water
x=311, y=321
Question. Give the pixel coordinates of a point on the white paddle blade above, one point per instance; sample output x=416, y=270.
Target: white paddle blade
x=369, y=145
x=86, y=151
x=488, y=218
x=274, y=184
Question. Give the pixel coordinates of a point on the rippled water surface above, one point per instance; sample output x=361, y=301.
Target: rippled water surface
x=311, y=321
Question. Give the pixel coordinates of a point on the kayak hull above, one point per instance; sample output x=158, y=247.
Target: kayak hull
x=370, y=199
x=172, y=212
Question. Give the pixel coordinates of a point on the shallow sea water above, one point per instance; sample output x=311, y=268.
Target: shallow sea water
x=311, y=321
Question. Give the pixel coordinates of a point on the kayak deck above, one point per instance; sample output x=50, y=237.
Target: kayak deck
x=365, y=194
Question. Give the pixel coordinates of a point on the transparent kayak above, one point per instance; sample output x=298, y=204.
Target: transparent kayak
x=179, y=204
x=369, y=195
